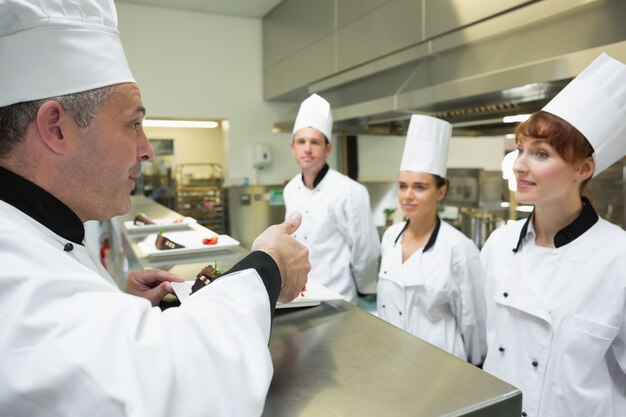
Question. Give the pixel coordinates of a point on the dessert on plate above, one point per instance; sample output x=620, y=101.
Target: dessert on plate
x=164, y=243
x=205, y=277
x=141, y=220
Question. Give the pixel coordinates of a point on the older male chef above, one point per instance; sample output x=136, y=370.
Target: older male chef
x=337, y=223
x=71, y=147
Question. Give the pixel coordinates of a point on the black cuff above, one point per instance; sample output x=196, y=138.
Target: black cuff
x=267, y=269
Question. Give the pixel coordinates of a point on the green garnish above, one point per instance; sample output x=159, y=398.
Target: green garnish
x=216, y=270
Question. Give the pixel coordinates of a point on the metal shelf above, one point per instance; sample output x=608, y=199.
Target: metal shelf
x=200, y=194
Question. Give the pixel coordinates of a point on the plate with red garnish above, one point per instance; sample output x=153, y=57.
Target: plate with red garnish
x=197, y=239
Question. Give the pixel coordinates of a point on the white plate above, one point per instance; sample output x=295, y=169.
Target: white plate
x=314, y=295
x=191, y=239
x=165, y=224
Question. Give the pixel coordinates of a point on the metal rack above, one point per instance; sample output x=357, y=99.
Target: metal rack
x=200, y=194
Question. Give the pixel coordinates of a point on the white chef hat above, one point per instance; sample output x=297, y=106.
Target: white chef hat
x=314, y=112
x=595, y=103
x=57, y=47
x=426, y=147
x=507, y=169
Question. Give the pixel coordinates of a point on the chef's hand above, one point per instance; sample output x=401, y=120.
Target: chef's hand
x=291, y=257
x=152, y=284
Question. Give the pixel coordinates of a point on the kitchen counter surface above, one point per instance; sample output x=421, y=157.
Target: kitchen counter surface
x=335, y=359
x=338, y=360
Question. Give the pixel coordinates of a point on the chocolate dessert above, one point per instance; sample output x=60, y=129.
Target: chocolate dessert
x=164, y=243
x=205, y=277
x=141, y=220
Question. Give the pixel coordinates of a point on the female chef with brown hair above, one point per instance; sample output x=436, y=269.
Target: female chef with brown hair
x=431, y=281
x=556, y=282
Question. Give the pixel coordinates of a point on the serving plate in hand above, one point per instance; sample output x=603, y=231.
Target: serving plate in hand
x=314, y=295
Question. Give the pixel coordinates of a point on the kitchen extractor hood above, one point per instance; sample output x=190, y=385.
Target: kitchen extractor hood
x=473, y=85
x=474, y=105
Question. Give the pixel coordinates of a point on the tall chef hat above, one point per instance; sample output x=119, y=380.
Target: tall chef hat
x=426, y=147
x=57, y=47
x=507, y=169
x=595, y=104
x=314, y=112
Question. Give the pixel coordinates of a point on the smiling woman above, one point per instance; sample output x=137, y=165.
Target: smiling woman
x=555, y=287
x=546, y=143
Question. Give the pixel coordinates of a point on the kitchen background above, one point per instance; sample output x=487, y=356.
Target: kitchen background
x=471, y=63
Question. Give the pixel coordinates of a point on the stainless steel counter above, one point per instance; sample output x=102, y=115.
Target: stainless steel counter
x=338, y=360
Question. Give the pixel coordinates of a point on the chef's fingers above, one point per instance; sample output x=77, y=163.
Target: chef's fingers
x=156, y=294
x=156, y=276
x=292, y=223
x=166, y=288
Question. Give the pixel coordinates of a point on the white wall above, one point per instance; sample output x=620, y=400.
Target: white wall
x=476, y=152
x=203, y=66
x=191, y=145
x=379, y=156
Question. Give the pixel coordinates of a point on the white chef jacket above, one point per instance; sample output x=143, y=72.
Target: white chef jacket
x=556, y=317
x=437, y=293
x=339, y=231
x=72, y=344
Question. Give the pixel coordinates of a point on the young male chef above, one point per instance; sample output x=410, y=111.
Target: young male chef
x=71, y=147
x=337, y=223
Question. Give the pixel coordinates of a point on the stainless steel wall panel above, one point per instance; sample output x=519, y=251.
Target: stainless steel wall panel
x=294, y=25
x=575, y=30
x=350, y=10
x=553, y=49
x=394, y=26
x=311, y=63
x=447, y=15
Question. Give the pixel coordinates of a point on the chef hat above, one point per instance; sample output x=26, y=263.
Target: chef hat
x=314, y=112
x=57, y=47
x=507, y=169
x=595, y=104
x=426, y=147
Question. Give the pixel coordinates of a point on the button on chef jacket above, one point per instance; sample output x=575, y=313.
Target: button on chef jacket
x=339, y=231
x=437, y=293
x=73, y=344
x=556, y=320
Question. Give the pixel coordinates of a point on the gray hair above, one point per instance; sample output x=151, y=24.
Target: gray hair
x=15, y=118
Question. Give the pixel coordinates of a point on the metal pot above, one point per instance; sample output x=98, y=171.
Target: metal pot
x=478, y=225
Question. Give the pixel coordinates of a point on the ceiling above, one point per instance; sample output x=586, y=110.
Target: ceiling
x=241, y=8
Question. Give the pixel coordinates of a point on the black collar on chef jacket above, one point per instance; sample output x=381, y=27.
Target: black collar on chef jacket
x=585, y=220
x=40, y=205
x=431, y=240
x=319, y=177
